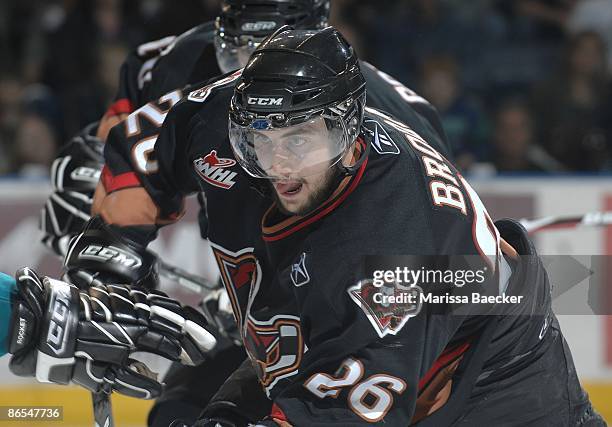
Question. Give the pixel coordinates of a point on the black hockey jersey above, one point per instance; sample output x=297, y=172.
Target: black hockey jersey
x=321, y=352
x=161, y=66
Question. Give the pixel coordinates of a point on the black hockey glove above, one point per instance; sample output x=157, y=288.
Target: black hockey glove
x=60, y=334
x=101, y=255
x=74, y=176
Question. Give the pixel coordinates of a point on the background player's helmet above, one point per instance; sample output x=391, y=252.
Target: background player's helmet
x=296, y=79
x=243, y=24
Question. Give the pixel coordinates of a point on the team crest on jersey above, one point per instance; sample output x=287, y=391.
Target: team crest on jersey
x=215, y=170
x=299, y=274
x=381, y=141
x=387, y=307
x=240, y=274
x=275, y=347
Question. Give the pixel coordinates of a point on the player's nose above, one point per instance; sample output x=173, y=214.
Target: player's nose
x=281, y=168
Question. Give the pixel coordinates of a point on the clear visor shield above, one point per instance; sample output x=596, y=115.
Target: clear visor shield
x=292, y=152
x=234, y=55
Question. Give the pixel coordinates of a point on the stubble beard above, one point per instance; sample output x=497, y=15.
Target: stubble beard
x=316, y=198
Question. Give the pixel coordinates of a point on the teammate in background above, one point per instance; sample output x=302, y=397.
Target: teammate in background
x=206, y=51
x=309, y=181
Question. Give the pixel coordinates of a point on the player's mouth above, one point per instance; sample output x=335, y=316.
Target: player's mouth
x=288, y=189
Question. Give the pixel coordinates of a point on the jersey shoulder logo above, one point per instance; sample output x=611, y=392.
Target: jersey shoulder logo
x=214, y=170
x=387, y=307
x=381, y=141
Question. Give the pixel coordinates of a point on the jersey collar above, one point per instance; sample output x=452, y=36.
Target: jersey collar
x=272, y=231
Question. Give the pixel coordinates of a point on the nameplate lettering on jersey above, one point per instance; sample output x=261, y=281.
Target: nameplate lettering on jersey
x=444, y=187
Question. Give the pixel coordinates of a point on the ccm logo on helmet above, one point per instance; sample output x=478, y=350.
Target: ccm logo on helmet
x=110, y=254
x=253, y=100
x=258, y=26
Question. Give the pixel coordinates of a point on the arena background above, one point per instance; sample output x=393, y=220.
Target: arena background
x=522, y=86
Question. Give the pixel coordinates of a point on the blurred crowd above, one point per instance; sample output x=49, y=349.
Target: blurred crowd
x=521, y=85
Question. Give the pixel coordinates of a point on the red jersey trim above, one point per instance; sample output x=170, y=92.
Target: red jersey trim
x=278, y=413
x=117, y=182
x=120, y=106
x=446, y=358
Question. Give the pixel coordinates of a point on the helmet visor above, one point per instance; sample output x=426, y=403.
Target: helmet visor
x=232, y=55
x=291, y=152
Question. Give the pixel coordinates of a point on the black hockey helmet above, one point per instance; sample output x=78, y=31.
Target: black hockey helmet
x=304, y=79
x=243, y=24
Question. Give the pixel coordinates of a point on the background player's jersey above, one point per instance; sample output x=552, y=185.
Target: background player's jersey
x=158, y=67
x=161, y=66
x=320, y=355
x=387, y=94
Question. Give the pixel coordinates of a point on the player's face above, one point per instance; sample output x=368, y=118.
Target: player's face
x=303, y=196
x=231, y=56
x=300, y=159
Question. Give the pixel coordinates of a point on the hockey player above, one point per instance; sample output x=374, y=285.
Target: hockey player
x=309, y=182
x=153, y=73
x=154, y=70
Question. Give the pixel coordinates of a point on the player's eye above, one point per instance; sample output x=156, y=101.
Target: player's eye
x=297, y=141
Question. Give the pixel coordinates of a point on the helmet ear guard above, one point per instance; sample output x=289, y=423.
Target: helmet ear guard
x=354, y=130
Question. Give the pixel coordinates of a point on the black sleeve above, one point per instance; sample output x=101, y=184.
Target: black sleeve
x=144, y=151
x=136, y=71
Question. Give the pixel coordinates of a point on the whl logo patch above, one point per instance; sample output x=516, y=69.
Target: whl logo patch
x=214, y=170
